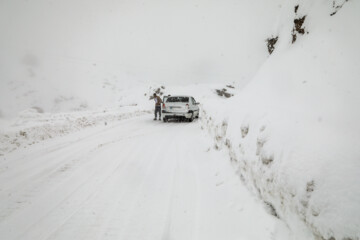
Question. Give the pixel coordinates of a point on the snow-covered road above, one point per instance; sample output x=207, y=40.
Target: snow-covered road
x=133, y=180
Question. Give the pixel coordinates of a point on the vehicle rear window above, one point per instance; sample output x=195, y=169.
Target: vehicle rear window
x=177, y=99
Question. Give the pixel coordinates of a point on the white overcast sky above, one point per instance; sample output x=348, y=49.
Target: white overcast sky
x=155, y=40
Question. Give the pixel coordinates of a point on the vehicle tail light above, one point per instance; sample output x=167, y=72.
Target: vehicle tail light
x=163, y=105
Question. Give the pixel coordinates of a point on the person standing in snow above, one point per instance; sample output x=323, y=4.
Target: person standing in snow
x=158, y=103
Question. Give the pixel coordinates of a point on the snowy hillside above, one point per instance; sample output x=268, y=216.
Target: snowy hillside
x=294, y=136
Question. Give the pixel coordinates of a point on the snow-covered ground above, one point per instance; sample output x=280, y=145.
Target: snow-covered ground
x=292, y=133
x=32, y=127
x=277, y=82
x=131, y=179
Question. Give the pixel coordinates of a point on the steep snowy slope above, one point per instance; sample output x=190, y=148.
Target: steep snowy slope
x=294, y=136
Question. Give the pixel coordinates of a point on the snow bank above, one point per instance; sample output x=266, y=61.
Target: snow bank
x=293, y=132
x=32, y=127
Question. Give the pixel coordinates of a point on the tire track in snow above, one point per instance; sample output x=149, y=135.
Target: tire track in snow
x=49, y=194
x=107, y=225
x=143, y=180
x=28, y=186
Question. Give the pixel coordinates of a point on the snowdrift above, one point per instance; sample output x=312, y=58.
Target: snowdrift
x=293, y=132
x=32, y=127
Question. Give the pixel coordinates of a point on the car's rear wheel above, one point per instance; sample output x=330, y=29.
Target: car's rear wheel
x=191, y=117
x=165, y=119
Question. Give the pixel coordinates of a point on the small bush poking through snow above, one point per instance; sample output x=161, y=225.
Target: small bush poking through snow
x=298, y=25
x=298, y=28
x=337, y=7
x=223, y=93
x=271, y=42
x=296, y=8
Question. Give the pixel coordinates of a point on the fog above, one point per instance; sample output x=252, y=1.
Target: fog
x=51, y=47
x=158, y=40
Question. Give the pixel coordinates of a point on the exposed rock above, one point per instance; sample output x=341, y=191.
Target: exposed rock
x=271, y=42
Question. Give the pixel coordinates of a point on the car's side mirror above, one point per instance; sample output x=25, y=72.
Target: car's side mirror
x=197, y=103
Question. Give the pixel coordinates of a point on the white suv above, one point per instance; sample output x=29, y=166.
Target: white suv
x=180, y=107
